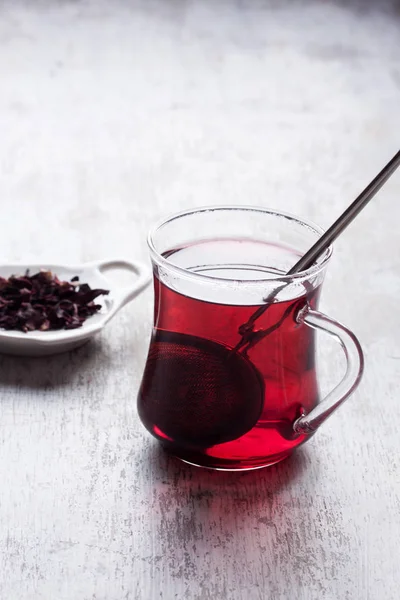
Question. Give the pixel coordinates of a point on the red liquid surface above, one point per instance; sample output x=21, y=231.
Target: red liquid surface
x=246, y=425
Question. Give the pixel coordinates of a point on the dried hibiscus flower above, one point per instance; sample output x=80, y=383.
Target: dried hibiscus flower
x=43, y=302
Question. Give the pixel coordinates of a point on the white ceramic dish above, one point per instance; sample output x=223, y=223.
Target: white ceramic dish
x=42, y=343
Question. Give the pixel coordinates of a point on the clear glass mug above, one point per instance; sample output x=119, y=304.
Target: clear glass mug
x=230, y=379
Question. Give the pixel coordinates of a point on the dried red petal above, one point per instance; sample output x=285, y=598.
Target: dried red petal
x=44, y=302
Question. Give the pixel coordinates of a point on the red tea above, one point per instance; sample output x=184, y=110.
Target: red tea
x=213, y=406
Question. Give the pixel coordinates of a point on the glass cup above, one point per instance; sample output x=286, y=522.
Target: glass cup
x=230, y=380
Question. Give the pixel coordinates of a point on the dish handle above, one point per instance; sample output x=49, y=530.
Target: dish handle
x=124, y=294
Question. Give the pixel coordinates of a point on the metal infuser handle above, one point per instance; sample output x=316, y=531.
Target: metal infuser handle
x=347, y=217
x=306, y=261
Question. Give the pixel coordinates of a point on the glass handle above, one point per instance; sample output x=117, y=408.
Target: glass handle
x=308, y=424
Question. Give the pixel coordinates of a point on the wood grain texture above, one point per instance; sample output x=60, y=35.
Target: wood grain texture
x=112, y=114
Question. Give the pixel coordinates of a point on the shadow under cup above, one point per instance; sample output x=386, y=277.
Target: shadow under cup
x=230, y=375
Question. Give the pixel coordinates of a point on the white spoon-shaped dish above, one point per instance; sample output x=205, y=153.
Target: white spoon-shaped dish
x=42, y=343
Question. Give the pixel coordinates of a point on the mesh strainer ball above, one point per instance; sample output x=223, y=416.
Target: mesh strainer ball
x=197, y=392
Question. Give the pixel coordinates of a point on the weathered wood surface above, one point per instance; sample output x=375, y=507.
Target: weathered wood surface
x=111, y=114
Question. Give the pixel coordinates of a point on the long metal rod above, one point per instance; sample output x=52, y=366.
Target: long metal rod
x=248, y=336
x=346, y=218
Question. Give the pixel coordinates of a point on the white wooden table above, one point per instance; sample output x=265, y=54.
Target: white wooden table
x=111, y=115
